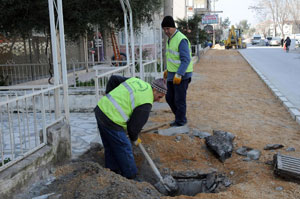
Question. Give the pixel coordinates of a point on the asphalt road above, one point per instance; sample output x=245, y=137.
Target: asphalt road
x=280, y=68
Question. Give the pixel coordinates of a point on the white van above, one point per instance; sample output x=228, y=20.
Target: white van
x=256, y=39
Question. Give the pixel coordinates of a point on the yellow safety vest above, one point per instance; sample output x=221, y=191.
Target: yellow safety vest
x=172, y=53
x=119, y=104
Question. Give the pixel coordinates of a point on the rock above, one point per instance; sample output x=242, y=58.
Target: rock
x=178, y=138
x=174, y=131
x=273, y=146
x=243, y=150
x=226, y=134
x=96, y=146
x=291, y=149
x=253, y=154
x=220, y=143
x=269, y=162
x=226, y=182
x=200, y=134
x=45, y=196
x=247, y=159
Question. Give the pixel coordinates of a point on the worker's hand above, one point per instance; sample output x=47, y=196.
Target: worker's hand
x=137, y=142
x=177, y=79
x=165, y=74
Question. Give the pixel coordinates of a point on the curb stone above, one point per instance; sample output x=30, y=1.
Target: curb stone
x=294, y=112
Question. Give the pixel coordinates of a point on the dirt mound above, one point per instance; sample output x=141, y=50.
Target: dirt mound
x=90, y=180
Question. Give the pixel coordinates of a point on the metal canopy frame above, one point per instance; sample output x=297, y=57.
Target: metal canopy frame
x=59, y=54
x=127, y=11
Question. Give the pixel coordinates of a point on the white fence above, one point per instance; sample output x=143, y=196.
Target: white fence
x=25, y=114
x=12, y=74
x=147, y=72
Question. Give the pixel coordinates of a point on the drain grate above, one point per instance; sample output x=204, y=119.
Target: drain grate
x=287, y=166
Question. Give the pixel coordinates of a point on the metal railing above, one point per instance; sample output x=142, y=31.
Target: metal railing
x=102, y=75
x=25, y=114
x=12, y=74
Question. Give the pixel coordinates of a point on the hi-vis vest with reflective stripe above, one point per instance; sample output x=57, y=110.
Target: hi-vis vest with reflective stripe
x=118, y=104
x=172, y=53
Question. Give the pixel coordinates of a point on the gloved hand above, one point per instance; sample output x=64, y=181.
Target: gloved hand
x=177, y=79
x=165, y=74
x=137, y=142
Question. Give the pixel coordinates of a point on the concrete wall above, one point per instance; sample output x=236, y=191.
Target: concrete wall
x=38, y=165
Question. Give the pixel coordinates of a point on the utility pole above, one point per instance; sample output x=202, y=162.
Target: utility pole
x=168, y=11
x=213, y=25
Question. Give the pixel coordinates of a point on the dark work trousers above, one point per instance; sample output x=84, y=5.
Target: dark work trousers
x=118, y=152
x=176, y=98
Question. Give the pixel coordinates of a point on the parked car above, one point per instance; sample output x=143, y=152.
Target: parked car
x=275, y=41
x=256, y=39
x=297, y=42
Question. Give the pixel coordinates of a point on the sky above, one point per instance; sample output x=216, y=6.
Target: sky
x=236, y=10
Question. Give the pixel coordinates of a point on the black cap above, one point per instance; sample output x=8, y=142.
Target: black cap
x=168, y=21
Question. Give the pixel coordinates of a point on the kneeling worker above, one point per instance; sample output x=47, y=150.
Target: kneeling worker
x=126, y=106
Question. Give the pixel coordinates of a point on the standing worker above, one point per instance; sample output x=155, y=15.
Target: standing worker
x=179, y=70
x=126, y=106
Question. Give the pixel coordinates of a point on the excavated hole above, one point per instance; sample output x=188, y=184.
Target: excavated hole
x=190, y=183
x=212, y=183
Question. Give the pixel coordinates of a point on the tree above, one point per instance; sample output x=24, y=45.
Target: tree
x=21, y=17
x=190, y=28
x=293, y=8
x=244, y=26
x=226, y=23
x=276, y=10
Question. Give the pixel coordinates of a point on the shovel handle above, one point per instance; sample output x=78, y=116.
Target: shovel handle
x=152, y=165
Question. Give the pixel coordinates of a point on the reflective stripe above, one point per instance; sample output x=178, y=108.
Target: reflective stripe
x=173, y=52
x=174, y=61
x=117, y=106
x=131, y=94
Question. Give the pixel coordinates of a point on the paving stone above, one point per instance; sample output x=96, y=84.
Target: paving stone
x=294, y=112
x=200, y=134
x=254, y=154
x=290, y=149
x=283, y=99
x=274, y=90
x=174, y=130
x=273, y=146
x=288, y=105
x=298, y=119
x=278, y=94
x=243, y=150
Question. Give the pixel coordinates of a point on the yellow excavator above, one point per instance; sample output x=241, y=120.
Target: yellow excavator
x=235, y=39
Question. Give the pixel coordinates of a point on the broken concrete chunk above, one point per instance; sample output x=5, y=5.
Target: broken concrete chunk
x=200, y=134
x=253, y=154
x=226, y=135
x=291, y=149
x=247, y=159
x=243, y=150
x=273, y=146
x=220, y=143
x=174, y=131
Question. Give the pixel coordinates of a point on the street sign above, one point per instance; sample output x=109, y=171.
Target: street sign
x=210, y=19
x=98, y=43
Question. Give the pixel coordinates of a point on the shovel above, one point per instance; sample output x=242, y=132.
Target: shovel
x=168, y=182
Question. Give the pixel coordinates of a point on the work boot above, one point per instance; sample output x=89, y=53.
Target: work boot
x=175, y=124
